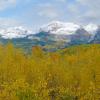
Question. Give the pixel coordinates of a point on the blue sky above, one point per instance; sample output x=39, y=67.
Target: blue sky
x=34, y=13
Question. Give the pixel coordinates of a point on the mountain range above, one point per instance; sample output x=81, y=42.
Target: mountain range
x=52, y=36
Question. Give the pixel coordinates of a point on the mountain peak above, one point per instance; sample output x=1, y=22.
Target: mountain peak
x=59, y=28
x=91, y=28
x=14, y=32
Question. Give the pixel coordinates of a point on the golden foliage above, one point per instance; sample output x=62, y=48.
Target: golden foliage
x=69, y=74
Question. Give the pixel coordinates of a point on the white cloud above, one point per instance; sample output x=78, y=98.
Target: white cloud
x=6, y=22
x=7, y=3
x=86, y=10
x=92, y=12
x=47, y=10
x=92, y=3
x=50, y=13
x=73, y=8
x=61, y=0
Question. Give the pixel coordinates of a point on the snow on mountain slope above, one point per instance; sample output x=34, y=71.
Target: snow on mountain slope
x=14, y=32
x=54, y=28
x=60, y=28
x=91, y=28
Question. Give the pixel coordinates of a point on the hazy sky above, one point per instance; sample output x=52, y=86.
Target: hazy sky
x=34, y=13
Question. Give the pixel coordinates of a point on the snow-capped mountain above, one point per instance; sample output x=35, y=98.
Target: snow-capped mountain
x=52, y=35
x=96, y=38
x=14, y=32
x=91, y=28
x=80, y=36
x=70, y=32
x=55, y=28
x=60, y=28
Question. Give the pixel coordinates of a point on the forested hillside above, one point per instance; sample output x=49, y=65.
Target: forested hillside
x=69, y=74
